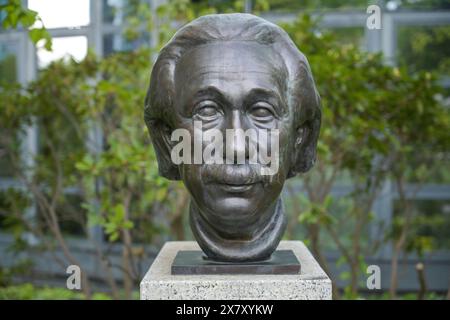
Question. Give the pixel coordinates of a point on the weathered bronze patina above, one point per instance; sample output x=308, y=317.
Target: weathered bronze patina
x=234, y=71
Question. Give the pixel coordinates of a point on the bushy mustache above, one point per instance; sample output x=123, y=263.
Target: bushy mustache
x=236, y=174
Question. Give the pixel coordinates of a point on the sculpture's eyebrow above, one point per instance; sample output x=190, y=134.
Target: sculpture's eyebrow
x=210, y=91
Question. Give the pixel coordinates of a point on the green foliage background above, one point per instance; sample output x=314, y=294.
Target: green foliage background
x=379, y=122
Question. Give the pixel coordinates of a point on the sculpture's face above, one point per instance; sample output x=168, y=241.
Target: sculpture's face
x=234, y=85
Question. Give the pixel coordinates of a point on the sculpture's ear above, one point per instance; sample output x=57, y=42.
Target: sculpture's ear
x=160, y=134
x=307, y=131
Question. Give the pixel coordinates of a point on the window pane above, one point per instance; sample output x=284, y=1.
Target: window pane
x=71, y=216
x=117, y=43
x=62, y=13
x=112, y=11
x=64, y=47
x=8, y=74
x=116, y=12
x=8, y=64
x=6, y=164
x=2, y=13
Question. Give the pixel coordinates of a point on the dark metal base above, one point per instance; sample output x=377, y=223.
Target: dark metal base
x=194, y=262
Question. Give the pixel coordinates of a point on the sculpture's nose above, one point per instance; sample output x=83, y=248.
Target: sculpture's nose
x=236, y=142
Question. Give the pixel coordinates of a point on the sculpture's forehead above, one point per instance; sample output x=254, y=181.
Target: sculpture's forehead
x=230, y=60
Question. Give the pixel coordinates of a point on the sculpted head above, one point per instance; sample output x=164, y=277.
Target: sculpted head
x=234, y=71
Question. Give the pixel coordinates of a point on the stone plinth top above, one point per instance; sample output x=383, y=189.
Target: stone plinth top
x=159, y=283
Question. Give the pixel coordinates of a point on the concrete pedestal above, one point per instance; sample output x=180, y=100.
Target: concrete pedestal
x=159, y=284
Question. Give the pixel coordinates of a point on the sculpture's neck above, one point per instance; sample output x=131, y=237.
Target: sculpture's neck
x=259, y=246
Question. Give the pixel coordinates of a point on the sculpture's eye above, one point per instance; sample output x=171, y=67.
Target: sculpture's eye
x=207, y=110
x=262, y=112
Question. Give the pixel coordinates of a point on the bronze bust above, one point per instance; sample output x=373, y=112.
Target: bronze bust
x=241, y=72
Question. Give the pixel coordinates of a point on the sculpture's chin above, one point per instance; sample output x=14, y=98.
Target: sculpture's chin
x=221, y=242
x=231, y=213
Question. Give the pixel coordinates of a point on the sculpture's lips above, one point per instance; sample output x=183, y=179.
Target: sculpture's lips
x=236, y=187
